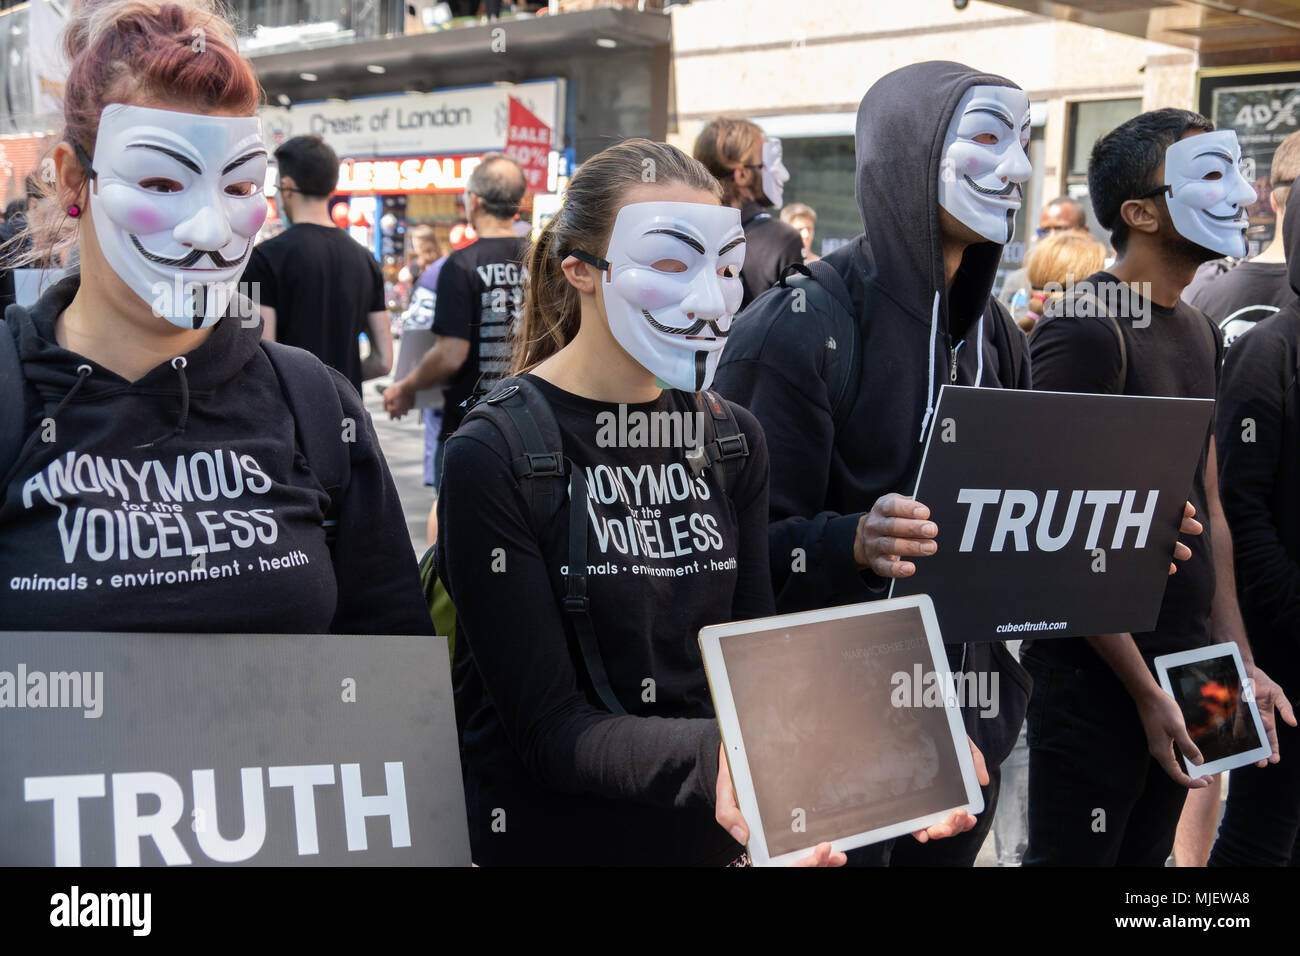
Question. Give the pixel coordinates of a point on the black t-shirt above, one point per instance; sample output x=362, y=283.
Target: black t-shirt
x=1178, y=355
x=1238, y=297
x=323, y=285
x=771, y=246
x=480, y=290
x=668, y=553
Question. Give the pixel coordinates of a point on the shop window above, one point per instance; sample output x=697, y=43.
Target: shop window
x=1089, y=121
x=822, y=175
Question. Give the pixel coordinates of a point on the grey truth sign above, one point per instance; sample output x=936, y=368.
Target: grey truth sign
x=1057, y=512
x=281, y=750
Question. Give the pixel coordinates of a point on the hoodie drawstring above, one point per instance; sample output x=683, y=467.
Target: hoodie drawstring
x=179, y=364
x=929, y=398
x=979, y=351
x=83, y=373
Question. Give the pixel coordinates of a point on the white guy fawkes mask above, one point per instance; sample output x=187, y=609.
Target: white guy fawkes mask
x=984, y=160
x=1208, y=194
x=176, y=201
x=671, y=284
x=775, y=175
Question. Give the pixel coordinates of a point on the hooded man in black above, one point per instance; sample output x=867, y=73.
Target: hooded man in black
x=1258, y=439
x=919, y=283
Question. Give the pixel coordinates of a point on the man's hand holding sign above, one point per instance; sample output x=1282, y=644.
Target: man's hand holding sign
x=898, y=527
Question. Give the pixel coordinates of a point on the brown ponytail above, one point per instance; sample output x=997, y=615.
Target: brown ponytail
x=551, y=312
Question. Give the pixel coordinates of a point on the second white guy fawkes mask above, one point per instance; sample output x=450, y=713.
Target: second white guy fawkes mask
x=671, y=283
x=1208, y=194
x=176, y=200
x=984, y=160
x=775, y=175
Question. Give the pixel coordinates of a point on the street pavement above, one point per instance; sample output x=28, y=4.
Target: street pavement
x=403, y=445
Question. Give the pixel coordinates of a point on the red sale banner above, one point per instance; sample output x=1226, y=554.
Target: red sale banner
x=528, y=141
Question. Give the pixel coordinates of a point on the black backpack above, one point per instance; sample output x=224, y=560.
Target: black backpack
x=309, y=390
x=830, y=299
x=520, y=412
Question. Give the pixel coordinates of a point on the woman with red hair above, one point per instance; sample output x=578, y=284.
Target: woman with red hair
x=162, y=469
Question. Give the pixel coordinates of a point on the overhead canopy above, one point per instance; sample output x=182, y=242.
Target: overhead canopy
x=1223, y=33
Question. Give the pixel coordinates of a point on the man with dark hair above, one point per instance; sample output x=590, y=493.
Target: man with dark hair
x=479, y=292
x=317, y=287
x=1106, y=782
x=1237, y=293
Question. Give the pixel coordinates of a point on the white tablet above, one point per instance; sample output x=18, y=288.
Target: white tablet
x=839, y=725
x=1218, y=705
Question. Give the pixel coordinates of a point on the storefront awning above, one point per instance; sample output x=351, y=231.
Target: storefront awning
x=1235, y=31
x=434, y=59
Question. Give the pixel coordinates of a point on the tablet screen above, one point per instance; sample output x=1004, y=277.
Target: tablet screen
x=1209, y=694
x=840, y=732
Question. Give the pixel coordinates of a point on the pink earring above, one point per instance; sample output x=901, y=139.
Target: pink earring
x=74, y=211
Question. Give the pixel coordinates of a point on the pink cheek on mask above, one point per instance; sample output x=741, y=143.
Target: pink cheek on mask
x=144, y=221
x=246, y=222
x=652, y=298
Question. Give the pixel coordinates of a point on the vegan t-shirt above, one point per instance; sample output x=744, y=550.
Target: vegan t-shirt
x=667, y=554
x=480, y=290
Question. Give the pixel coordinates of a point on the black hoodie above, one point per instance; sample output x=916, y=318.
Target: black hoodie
x=122, y=484
x=909, y=328
x=1258, y=443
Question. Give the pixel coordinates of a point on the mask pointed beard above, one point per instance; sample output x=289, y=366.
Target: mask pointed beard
x=670, y=282
x=1206, y=193
x=177, y=200
x=984, y=162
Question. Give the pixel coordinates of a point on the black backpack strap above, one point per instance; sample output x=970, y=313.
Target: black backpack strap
x=522, y=414
x=13, y=404
x=724, y=446
x=576, y=603
x=313, y=399
x=841, y=363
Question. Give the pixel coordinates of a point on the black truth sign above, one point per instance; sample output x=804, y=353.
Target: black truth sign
x=1057, y=512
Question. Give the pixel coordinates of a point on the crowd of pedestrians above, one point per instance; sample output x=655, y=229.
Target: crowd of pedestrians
x=580, y=568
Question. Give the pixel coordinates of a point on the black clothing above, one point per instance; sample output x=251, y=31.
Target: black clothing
x=10, y=254
x=1259, y=482
x=480, y=291
x=1261, y=817
x=1075, y=350
x=1096, y=795
x=99, y=528
x=771, y=246
x=911, y=333
x=323, y=285
x=1236, y=297
x=1087, y=745
x=1259, y=469
x=668, y=554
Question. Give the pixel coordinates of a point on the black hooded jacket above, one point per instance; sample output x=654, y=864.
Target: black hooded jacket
x=1258, y=443
x=822, y=482
x=910, y=333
